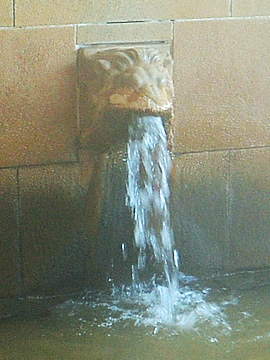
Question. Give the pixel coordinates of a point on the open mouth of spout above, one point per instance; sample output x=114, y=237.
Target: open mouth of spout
x=138, y=102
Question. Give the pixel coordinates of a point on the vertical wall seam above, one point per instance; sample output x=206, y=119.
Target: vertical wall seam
x=77, y=81
x=18, y=235
x=77, y=91
x=77, y=84
x=13, y=13
x=229, y=207
x=172, y=39
x=231, y=7
x=171, y=132
x=75, y=34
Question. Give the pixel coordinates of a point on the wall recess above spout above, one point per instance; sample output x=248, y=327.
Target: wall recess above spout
x=118, y=82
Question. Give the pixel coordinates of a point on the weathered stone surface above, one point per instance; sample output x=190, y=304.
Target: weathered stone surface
x=9, y=244
x=199, y=211
x=56, y=256
x=222, y=82
x=52, y=12
x=220, y=207
x=250, y=8
x=37, y=96
x=249, y=204
x=6, y=13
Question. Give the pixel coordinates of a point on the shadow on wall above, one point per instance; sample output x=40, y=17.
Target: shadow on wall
x=55, y=255
x=53, y=249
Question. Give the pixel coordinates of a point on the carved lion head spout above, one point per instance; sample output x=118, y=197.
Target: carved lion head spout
x=134, y=78
x=124, y=80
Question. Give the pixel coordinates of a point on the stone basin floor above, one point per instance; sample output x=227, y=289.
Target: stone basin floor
x=94, y=326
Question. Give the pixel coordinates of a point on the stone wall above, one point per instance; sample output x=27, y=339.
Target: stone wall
x=221, y=146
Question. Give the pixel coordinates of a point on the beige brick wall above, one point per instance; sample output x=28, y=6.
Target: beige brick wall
x=6, y=12
x=221, y=131
x=222, y=84
x=250, y=8
x=38, y=96
x=51, y=12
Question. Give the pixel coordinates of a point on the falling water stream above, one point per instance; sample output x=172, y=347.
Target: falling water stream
x=156, y=288
x=149, y=165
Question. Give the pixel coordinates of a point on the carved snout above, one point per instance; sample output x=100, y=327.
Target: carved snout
x=144, y=89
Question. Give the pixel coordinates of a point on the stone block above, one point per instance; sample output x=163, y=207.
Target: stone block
x=222, y=81
x=121, y=10
x=38, y=96
x=249, y=204
x=78, y=12
x=250, y=8
x=9, y=242
x=53, y=12
x=56, y=256
x=6, y=18
x=199, y=211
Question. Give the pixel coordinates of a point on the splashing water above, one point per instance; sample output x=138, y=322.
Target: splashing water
x=158, y=297
x=149, y=165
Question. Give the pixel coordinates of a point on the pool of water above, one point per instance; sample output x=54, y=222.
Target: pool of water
x=224, y=317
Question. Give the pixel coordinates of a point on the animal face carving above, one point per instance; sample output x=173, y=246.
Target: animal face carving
x=136, y=78
x=116, y=83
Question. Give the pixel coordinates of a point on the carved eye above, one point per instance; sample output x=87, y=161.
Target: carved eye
x=138, y=81
x=162, y=81
x=105, y=64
